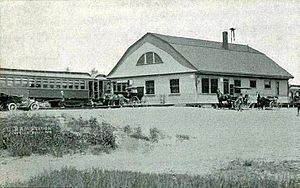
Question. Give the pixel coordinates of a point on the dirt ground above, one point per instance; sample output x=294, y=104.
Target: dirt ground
x=216, y=137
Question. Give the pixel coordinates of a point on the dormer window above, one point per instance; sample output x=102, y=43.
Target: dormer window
x=149, y=58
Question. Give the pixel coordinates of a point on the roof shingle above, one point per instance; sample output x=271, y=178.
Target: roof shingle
x=210, y=56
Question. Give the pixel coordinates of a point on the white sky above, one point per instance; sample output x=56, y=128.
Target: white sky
x=81, y=35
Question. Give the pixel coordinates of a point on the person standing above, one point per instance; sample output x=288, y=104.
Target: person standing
x=62, y=99
x=258, y=100
x=297, y=102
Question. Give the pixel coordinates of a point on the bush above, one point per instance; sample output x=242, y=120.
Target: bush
x=154, y=134
x=102, y=134
x=182, y=137
x=24, y=135
x=137, y=134
x=127, y=129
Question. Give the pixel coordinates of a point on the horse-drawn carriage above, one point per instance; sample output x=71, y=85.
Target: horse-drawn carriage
x=132, y=96
x=268, y=102
x=243, y=100
x=235, y=100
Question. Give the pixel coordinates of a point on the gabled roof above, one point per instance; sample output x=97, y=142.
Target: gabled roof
x=210, y=57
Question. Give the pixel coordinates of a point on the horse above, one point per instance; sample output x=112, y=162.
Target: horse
x=223, y=97
x=116, y=99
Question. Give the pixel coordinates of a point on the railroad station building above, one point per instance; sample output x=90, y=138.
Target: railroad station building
x=185, y=70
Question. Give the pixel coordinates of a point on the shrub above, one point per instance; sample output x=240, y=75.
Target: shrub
x=127, y=129
x=154, y=134
x=182, y=137
x=24, y=135
x=77, y=124
x=137, y=134
x=102, y=134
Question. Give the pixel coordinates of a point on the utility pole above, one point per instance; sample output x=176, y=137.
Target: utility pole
x=0, y=36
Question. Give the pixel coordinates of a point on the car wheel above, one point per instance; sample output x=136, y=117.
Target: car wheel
x=12, y=106
x=34, y=106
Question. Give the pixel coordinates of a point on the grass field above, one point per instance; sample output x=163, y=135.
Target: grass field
x=196, y=141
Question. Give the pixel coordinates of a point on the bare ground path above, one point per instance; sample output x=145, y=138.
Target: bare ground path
x=216, y=138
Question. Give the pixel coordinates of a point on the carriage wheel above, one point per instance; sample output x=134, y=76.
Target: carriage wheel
x=34, y=106
x=12, y=106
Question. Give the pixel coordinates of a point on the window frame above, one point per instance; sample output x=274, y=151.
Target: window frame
x=149, y=58
x=215, y=86
x=151, y=88
x=237, y=90
x=252, y=82
x=174, y=87
x=226, y=90
x=203, y=87
x=269, y=83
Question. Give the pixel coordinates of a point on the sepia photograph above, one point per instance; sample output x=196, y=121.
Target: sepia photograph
x=160, y=94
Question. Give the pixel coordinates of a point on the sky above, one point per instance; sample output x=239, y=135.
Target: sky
x=82, y=35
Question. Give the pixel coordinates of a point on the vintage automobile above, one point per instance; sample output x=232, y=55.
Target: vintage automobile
x=10, y=102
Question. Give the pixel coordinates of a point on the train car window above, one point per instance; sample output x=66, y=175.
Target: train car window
x=82, y=84
x=10, y=81
x=31, y=82
x=64, y=84
x=51, y=83
x=38, y=83
x=70, y=84
x=17, y=82
x=45, y=83
x=24, y=82
x=76, y=84
x=2, y=81
x=57, y=83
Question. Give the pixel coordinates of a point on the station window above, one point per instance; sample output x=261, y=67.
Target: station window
x=205, y=85
x=237, y=84
x=174, y=85
x=213, y=85
x=150, y=89
x=124, y=86
x=149, y=58
x=119, y=87
x=253, y=83
x=114, y=86
x=226, y=86
x=267, y=84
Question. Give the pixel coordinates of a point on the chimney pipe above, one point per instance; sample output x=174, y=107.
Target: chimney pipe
x=225, y=40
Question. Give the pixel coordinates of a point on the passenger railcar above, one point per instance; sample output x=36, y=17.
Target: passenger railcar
x=51, y=85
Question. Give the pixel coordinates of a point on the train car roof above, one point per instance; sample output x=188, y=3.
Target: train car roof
x=44, y=73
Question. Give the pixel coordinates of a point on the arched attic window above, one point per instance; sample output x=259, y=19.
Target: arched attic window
x=149, y=58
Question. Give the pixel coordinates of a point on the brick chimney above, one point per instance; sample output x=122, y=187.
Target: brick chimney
x=225, y=40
